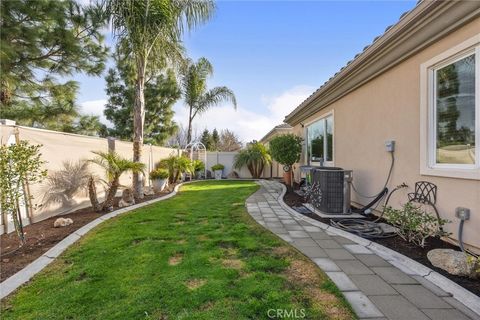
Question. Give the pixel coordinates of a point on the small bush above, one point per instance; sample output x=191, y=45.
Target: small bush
x=198, y=165
x=218, y=166
x=414, y=224
x=474, y=265
x=159, y=174
x=176, y=165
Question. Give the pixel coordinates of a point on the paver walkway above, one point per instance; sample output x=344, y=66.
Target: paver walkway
x=375, y=288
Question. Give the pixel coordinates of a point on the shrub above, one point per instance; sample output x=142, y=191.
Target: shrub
x=159, y=173
x=474, y=266
x=255, y=157
x=198, y=165
x=176, y=165
x=414, y=224
x=286, y=149
x=218, y=166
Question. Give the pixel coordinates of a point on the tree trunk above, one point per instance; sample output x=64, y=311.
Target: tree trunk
x=16, y=216
x=138, y=124
x=92, y=193
x=20, y=225
x=112, y=191
x=189, y=132
x=252, y=171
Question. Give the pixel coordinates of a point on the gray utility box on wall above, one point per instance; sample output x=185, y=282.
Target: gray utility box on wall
x=331, y=190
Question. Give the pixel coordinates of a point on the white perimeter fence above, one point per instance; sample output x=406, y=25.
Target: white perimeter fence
x=59, y=147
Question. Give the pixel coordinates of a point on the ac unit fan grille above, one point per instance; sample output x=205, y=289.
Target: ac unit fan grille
x=329, y=191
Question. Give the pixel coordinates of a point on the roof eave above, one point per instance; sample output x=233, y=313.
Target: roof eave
x=426, y=23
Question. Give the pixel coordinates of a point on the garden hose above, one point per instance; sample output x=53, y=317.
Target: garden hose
x=369, y=205
x=364, y=229
x=367, y=229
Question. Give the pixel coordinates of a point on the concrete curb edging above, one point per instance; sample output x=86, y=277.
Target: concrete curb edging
x=21, y=277
x=400, y=261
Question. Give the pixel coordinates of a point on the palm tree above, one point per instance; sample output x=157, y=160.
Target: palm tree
x=255, y=157
x=114, y=166
x=176, y=165
x=152, y=29
x=194, y=87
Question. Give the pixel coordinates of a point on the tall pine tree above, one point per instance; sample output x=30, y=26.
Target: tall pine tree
x=215, y=140
x=161, y=93
x=41, y=44
x=206, y=139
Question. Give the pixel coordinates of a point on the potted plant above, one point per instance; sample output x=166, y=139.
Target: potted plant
x=159, y=179
x=218, y=171
x=198, y=168
x=286, y=149
x=255, y=156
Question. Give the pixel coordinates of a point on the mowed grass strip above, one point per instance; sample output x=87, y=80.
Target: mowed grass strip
x=198, y=255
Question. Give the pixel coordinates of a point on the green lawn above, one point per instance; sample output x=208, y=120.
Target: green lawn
x=198, y=255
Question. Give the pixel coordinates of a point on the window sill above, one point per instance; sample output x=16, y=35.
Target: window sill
x=325, y=164
x=469, y=174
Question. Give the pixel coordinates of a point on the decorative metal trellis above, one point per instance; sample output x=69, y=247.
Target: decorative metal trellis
x=197, y=151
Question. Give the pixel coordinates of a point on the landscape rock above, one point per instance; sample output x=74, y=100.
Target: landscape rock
x=127, y=198
x=148, y=191
x=452, y=261
x=62, y=222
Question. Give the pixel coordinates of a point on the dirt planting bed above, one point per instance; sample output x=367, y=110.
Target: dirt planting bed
x=42, y=236
x=398, y=244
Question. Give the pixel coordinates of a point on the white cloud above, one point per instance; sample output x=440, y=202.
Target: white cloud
x=95, y=107
x=248, y=124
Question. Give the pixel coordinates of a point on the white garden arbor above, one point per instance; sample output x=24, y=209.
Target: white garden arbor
x=197, y=151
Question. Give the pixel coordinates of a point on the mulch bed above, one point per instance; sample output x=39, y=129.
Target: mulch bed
x=398, y=244
x=41, y=236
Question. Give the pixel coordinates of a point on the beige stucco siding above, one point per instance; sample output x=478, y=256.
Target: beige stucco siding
x=388, y=107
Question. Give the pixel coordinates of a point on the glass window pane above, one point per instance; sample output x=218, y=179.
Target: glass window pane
x=329, y=156
x=455, y=112
x=315, y=140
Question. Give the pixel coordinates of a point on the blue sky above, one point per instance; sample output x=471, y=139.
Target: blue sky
x=272, y=54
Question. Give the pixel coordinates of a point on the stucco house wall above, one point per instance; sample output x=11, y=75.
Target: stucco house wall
x=388, y=107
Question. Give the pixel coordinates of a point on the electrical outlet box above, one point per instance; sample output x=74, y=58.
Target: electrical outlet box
x=390, y=145
x=462, y=213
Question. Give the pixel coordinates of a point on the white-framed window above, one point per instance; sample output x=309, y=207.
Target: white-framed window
x=450, y=107
x=319, y=140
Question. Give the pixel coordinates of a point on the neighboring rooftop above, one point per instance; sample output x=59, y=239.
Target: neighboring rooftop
x=280, y=128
